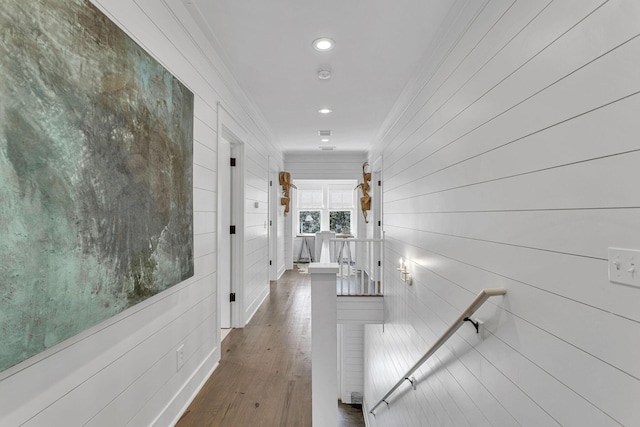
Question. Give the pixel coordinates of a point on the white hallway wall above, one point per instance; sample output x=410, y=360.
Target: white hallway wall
x=514, y=165
x=350, y=361
x=325, y=164
x=123, y=371
x=256, y=233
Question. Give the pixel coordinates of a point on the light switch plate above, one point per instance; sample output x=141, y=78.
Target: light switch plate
x=624, y=266
x=179, y=357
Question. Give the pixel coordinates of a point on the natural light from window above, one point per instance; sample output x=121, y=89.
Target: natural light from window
x=325, y=205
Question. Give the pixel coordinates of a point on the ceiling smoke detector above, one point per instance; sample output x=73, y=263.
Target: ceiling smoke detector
x=324, y=74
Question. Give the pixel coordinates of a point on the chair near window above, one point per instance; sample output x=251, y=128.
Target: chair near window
x=321, y=238
x=304, y=244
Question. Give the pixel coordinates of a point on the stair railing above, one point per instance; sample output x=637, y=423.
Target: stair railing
x=484, y=295
x=359, y=265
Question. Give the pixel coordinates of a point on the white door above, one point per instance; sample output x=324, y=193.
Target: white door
x=224, y=255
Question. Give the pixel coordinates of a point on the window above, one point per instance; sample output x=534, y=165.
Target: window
x=340, y=222
x=311, y=197
x=309, y=222
x=341, y=203
x=325, y=205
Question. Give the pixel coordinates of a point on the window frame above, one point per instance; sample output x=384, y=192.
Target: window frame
x=325, y=210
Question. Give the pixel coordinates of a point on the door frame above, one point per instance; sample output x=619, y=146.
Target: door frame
x=273, y=219
x=231, y=130
x=377, y=218
x=223, y=252
x=376, y=177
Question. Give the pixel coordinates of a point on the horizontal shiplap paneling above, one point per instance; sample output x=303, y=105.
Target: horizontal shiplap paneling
x=511, y=168
x=352, y=360
x=325, y=165
x=123, y=371
x=360, y=310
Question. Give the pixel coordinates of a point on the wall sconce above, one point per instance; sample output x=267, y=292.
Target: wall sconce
x=365, y=200
x=285, y=182
x=404, y=274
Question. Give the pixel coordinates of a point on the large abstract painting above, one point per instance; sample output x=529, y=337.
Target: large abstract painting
x=96, y=199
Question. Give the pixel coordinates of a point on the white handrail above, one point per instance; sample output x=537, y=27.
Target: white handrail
x=484, y=295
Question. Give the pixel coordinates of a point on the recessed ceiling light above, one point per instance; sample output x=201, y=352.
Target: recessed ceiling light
x=323, y=44
x=324, y=74
x=325, y=140
x=325, y=110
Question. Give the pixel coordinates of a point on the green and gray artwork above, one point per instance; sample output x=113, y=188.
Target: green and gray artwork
x=95, y=174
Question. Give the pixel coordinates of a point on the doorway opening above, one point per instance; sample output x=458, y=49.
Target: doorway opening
x=231, y=137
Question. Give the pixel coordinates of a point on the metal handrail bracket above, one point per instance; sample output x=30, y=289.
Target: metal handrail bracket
x=484, y=295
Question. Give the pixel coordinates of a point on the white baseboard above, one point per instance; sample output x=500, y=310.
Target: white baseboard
x=365, y=412
x=260, y=300
x=193, y=377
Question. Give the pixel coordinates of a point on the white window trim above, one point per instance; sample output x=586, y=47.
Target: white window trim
x=324, y=210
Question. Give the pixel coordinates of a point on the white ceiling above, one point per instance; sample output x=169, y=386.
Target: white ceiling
x=379, y=46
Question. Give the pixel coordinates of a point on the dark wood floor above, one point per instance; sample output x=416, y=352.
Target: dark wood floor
x=264, y=375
